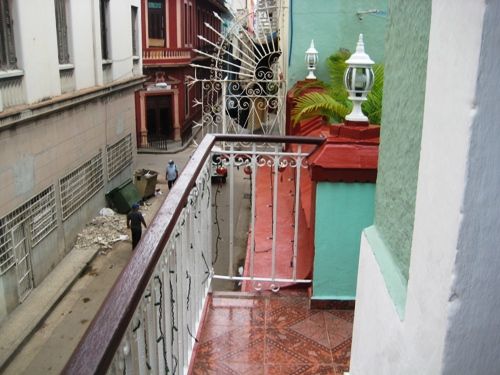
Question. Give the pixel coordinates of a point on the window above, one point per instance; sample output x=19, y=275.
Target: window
x=119, y=155
x=186, y=25
x=104, y=7
x=135, y=50
x=156, y=23
x=40, y=215
x=8, y=58
x=80, y=185
x=62, y=31
x=186, y=100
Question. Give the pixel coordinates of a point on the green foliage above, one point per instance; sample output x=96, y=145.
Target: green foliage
x=334, y=102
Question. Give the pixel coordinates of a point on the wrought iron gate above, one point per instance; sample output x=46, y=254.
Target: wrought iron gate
x=245, y=90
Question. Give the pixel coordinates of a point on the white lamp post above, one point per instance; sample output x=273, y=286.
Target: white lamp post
x=358, y=80
x=311, y=60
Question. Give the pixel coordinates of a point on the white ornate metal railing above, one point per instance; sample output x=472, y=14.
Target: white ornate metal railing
x=148, y=322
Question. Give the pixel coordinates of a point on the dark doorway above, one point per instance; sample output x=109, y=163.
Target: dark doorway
x=159, y=122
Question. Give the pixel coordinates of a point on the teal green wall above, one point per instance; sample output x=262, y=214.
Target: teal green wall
x=333, y=24
x=404, y=94
x=342, y=212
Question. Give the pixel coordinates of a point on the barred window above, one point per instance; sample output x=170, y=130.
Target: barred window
x=8, y=58
x=119, y=155
x=39, y=213
x=62, y=31
x=80, y=185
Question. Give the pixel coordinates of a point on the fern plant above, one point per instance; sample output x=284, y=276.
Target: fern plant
x=333, y=102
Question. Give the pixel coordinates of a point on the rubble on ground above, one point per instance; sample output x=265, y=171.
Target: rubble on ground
x=106, y=229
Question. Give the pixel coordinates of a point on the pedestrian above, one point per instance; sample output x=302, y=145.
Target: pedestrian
x=134, y=221
x=171, y=174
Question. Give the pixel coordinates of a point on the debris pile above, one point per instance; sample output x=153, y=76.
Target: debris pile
x=104, y=230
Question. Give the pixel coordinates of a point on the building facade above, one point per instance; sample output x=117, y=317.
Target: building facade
x=428, y=284
x=68, y=72
x=170, y=28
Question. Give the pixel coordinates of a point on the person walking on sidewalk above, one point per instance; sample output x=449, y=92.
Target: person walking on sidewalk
x=171, y=174
x=134, y=221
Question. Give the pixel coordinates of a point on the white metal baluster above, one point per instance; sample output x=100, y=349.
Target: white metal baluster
x=253, y=178
x=224, y=116
x=297, y=208
x=174, y=259
x=158, y=296
x=139, y=335
x=208, y=231
x=127, y=355
x=186, y=339
x=231, y=211
x=165, y=275
x=151, y=332
x=180, y=292
x=190, y=270
x=275, y=210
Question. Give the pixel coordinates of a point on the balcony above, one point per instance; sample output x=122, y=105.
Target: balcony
x=167, y=56
x=161, y=315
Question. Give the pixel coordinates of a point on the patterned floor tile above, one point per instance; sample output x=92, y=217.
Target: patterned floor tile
x=298, y=345
x=273, y=335
x=314, y=328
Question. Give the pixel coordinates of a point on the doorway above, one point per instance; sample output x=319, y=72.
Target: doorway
x=159, y=122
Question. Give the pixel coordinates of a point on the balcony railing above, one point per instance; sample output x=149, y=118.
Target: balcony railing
x=149, y=320
x=167, y=55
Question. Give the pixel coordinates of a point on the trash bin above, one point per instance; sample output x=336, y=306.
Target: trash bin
x=145, y=182
x=123, y=197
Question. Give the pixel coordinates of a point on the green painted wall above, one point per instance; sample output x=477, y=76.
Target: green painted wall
x=342, y=212
x=333, y=24
x=404, y=94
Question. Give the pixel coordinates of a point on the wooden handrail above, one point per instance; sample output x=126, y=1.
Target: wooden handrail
x=100, y=342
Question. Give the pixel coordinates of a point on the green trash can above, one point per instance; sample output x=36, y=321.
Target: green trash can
x=123, y=197
x=145, y=182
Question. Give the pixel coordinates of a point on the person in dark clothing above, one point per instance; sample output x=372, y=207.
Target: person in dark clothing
x=134, y=221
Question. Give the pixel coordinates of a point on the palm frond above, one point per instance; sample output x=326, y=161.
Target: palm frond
x=316, y=103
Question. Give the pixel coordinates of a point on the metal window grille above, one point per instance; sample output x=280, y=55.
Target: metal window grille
x=80, y=185
x=40, y=214
x=119, y=155
x=8, y=58
x=62, y=31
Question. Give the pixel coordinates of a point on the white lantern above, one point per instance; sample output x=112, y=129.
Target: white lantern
x=311, y=60
x=358, y=80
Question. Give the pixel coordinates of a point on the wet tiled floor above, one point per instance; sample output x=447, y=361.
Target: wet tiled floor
x=272, y=334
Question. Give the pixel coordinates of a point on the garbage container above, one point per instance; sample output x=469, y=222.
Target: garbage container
x=123, y=197
x=145, y=182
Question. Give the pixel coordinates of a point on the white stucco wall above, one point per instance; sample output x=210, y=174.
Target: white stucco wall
x=35, y=38
x=430, y=338
x=120, y=28
x=84, y=49
x=36, y=48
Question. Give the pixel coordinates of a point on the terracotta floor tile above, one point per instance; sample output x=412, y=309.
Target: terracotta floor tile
x=230, y=316
x=314, y=328
x=344, y=314
x=273, y=334
x=286, y=369
x=298, y=345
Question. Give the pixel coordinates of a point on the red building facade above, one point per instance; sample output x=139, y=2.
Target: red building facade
x=165, y=106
